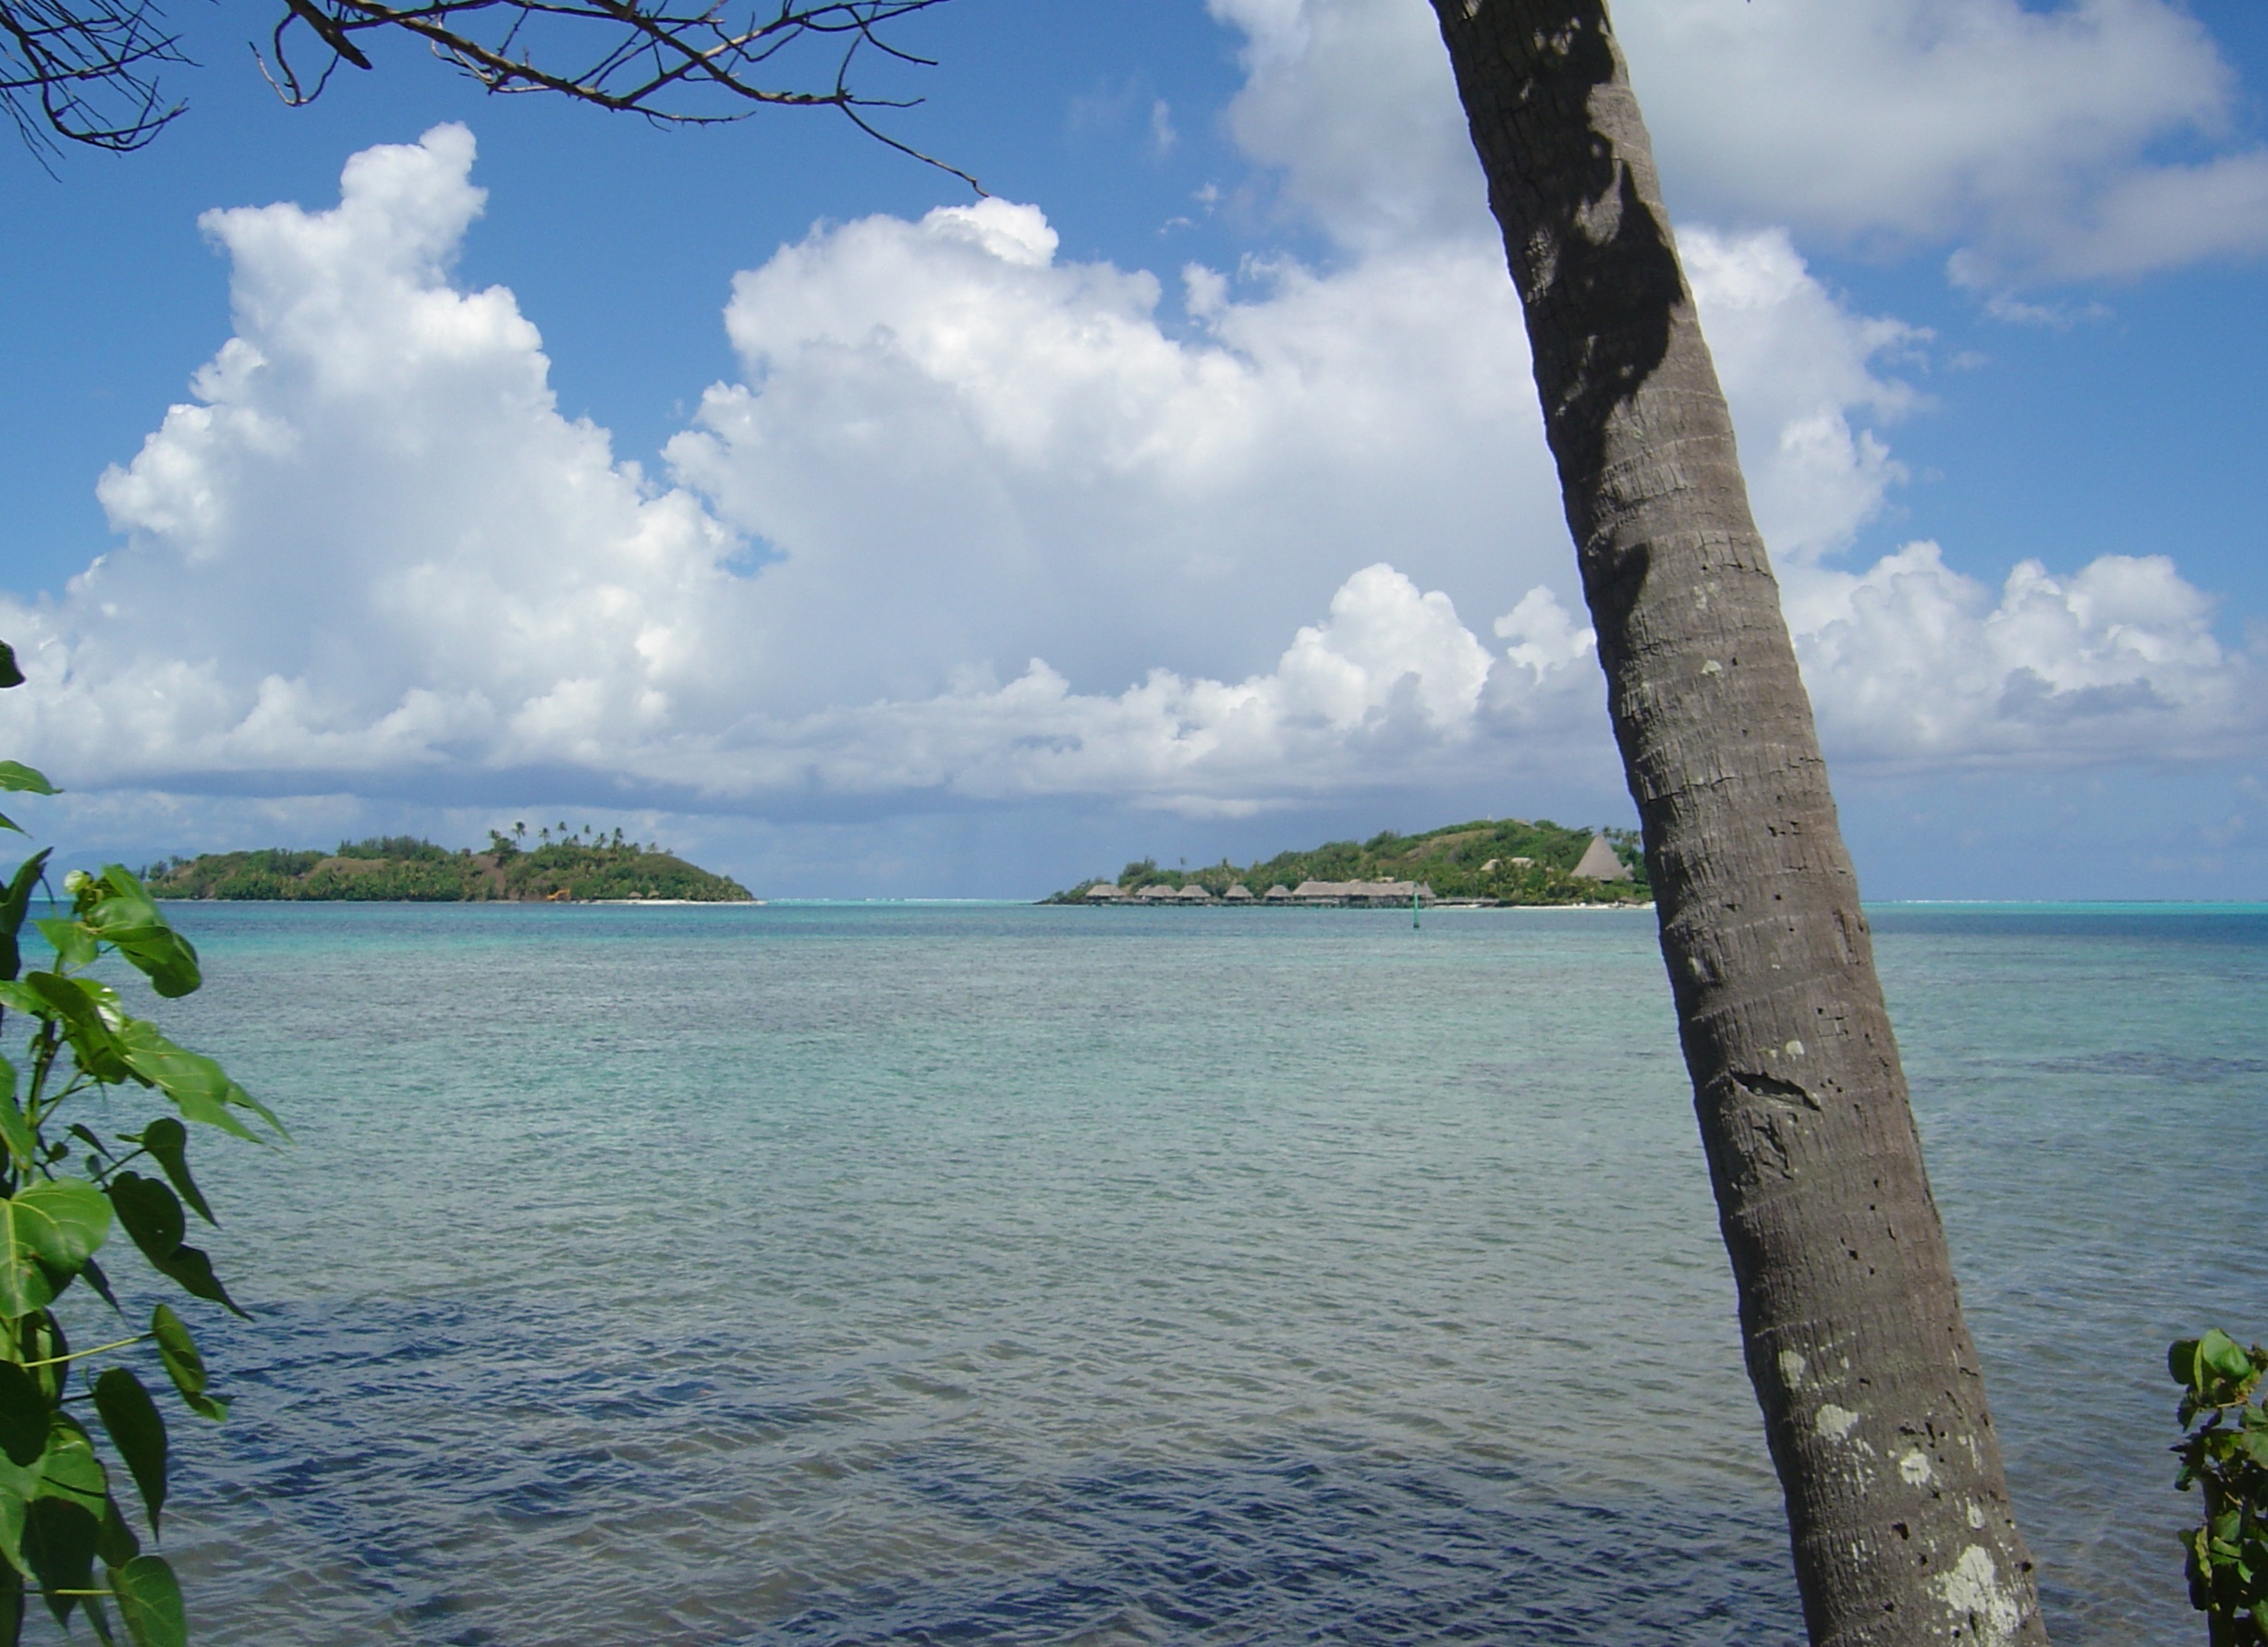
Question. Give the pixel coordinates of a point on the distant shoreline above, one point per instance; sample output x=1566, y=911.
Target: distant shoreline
x=1434, y=908
x=487, y=903
x=572, y=867
x=1486, y=862
x=2201, y=906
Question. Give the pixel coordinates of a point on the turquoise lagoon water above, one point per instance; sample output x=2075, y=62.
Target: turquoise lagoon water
x=874, y=1274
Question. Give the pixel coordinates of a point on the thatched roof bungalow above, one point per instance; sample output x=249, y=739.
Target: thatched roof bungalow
x=1362, y=895
x=1598, y=864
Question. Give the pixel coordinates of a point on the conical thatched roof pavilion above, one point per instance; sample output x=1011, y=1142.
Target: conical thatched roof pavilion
x=1598, y=864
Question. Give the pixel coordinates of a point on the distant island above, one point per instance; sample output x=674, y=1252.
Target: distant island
x=578, y=867
x=1493, y=861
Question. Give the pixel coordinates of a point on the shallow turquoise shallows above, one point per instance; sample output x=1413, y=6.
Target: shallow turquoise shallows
x=1003, y=1274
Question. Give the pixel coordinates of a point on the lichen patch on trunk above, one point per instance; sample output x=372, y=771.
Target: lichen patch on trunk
x=1984, y=1610
x=1833, y=1421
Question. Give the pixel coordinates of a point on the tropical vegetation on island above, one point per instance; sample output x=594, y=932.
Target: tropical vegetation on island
x=1508, y=861
x=564, y=866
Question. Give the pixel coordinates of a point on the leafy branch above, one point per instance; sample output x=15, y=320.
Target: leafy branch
x=2226, y=1458
x=59, y=1517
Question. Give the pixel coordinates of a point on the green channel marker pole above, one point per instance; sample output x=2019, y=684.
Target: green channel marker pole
x=1415, y=924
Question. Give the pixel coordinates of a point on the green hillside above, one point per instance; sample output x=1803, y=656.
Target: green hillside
x=403, y=869
x=1509, y=860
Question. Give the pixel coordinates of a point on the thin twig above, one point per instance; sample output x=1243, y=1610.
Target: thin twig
x=674, y=62
x=80, y=1355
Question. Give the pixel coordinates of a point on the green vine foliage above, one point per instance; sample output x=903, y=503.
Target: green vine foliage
x=2224, y=1456
x=66, y=1539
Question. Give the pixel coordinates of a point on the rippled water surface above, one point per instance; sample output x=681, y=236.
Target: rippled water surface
x=812, y=1274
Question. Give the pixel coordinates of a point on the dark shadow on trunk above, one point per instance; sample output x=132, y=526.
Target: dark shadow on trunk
x=1871, y=1396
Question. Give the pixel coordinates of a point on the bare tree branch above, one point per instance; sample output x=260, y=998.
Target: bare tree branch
x=65, y=63
x=84, y=70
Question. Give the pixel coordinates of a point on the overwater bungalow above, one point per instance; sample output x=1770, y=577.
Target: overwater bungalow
x=1362, y=894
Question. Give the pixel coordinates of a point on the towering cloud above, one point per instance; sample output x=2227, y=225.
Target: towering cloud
x=977, y=521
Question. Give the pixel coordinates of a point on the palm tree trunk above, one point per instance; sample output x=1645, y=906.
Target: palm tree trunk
x=1872, y=1399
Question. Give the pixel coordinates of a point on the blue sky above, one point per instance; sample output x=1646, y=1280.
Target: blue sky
x=1186, y=498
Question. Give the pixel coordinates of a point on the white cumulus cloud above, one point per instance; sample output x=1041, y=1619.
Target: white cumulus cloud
x=1798, y=367
x=1371, y=696
x=372, y=541
x=2028, y=136
x=1912, y=663
x=2026, y=140
x=979, y=521
x=942, y=418
x=372, y=545
x=1353, y=100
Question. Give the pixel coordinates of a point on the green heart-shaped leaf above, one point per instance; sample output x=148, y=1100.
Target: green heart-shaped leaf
x=183, y=1364
x=47, y=1231
x=15, y=1130
x=168, y=1141
x=150, y=1601
x=24, y=1414
x=13, y=904
x=200, y=1088
x=138, y=1431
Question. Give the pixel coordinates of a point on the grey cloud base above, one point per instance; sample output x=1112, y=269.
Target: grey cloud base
x=977, y=527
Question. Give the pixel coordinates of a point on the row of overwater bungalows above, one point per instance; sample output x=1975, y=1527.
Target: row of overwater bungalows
x=1598, y=864
x=1308, y=894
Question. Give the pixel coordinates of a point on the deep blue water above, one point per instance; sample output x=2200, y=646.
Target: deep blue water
x=862, y=1274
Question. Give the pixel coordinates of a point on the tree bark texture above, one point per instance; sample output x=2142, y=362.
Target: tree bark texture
x=1871, y=1395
